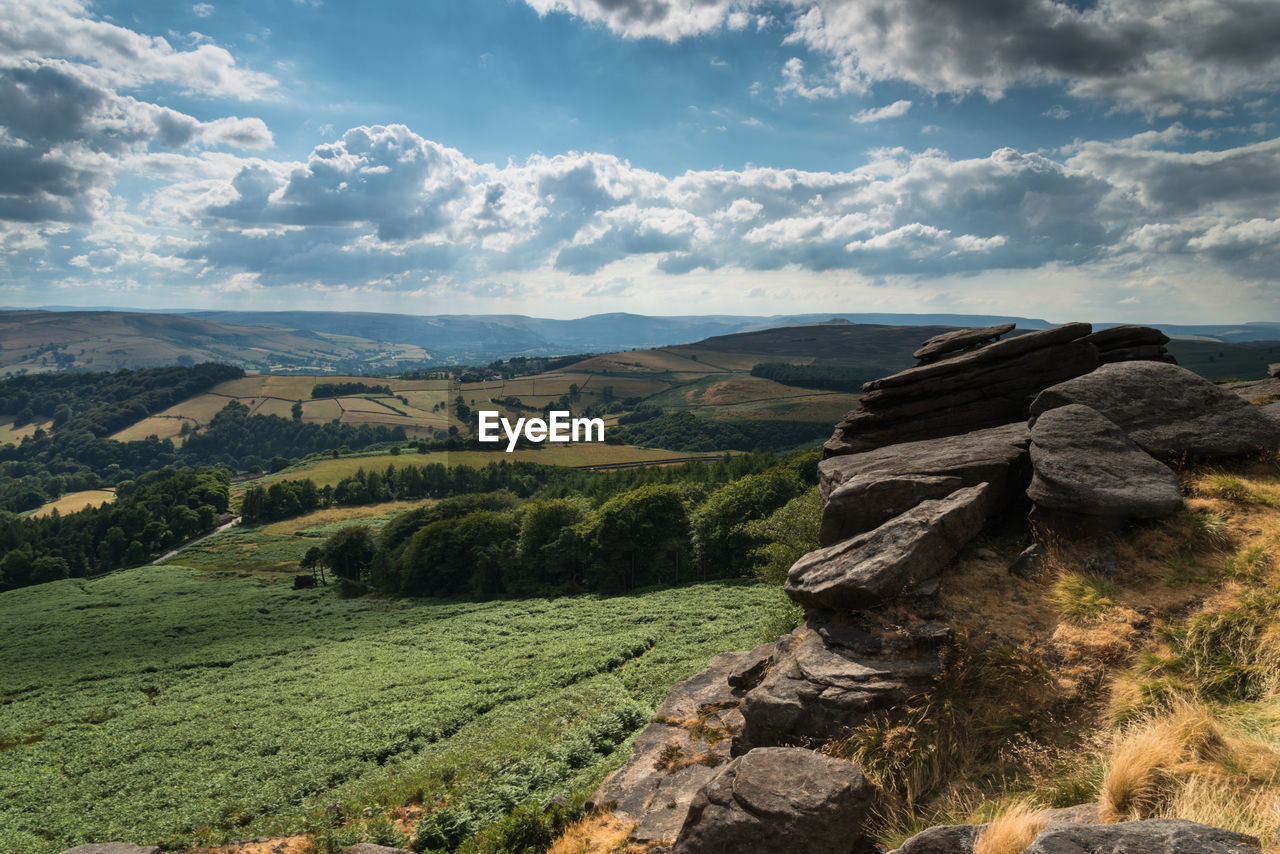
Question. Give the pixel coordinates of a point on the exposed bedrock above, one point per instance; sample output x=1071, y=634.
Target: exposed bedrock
x=1084, y=463
x=904, y=553
x=830, y=675
x=862, y=491
x=1167, y=410
x=1154, y=836
x=1130, y=343
x=779, y=800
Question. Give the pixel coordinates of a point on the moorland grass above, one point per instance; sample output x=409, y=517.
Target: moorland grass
x=168, y=706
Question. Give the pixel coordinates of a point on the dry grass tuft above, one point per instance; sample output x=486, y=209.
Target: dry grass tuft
x=1083, y=598
x=1011, y=831
x=599, y=833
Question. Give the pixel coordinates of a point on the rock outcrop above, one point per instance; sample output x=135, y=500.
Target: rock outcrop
x=1274, y=370
x=370, y=848
x=1085, y=464
x=977, y=388
x=833, y=673
x=906, y=552
x=676, y=755
x=779, y=800
x=860, y=492
x=1167, y=410
x=932, y=456
x=113, y=848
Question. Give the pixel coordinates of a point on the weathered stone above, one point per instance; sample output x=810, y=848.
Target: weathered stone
x=942, y=839
x=1271, y=410
x=779, y=800
x=1030, y=562
x=668, y=764
x=991, y=353
x=370, y=848
x=1148, y=352
x=877, y=566
x=984, y=395
x=960, y=838
x=949, y=342
x=994, y=455
x=1167, y=410
x=1259, y=392
x=1274, y=370
x=829, y=677
x=113, y=848
x=1126, y=335
x=866, y=502
x=752, y=667
x=1085, y=464
x=1155, y=836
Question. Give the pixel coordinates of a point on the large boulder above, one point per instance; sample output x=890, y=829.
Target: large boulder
x=1154, y=836
x=113, y=848
x=1085, y=464
x=830, y=675
x=862, y=491
x=906, y=552
x=1167, y=410
x=677, y=754
x=779, y=800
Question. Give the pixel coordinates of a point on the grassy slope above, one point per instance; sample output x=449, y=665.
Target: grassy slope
x=165, y=705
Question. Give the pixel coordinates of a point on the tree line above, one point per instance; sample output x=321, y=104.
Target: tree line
x=828, y=377
x=496, y=543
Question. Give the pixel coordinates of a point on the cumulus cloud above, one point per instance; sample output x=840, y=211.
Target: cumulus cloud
x=1151, y=55
x=117, y=57
x=877, y=114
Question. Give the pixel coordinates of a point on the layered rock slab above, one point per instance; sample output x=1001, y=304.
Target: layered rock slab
x=862, y=491
x=779, y=800
x=962, y=339
x=1167, y=410
x=906, y=552
x=829, y=676
x=1083, y=463
x=969, y=390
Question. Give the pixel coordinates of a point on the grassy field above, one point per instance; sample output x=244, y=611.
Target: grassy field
x=1218, y=361
x=13, y=435
x=174, y=707
x=75, y=501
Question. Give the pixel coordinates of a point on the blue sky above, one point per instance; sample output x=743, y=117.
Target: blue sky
x=1116, y=160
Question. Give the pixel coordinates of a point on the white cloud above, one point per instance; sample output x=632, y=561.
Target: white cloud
x=1057, y=111
x=877, y=114
x=664, y=19
x=202, y=10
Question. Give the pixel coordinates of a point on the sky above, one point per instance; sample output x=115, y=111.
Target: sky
x=1116, y=160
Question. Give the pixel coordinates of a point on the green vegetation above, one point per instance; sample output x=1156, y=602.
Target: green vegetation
x=830, y=377
x=162, y=705
x=684, y=431
x=344, y=389
x=149, y=515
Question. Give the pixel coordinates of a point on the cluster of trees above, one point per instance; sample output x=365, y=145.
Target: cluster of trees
x=493, y=544
x=239, y=440
x=344, y=389
x=683, y=431
x=828, y=377
x=150, y=514
x=285, y=499
x=102, y=403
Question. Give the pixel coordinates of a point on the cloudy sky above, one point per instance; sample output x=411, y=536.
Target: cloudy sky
x=1110, y=160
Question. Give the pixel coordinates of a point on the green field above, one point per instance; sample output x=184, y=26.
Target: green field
x=171, y=707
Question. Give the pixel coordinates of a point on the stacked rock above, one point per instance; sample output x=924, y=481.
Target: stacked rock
x=962, y=384
x=1129, y=343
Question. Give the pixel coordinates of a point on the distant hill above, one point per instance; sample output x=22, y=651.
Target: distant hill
x=318, y=342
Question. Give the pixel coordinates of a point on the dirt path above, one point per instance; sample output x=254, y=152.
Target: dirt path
x=217, y=530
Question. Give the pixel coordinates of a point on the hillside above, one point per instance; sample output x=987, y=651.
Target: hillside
x=41, y=341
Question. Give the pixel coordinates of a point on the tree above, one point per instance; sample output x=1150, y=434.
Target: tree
x=349, y=552
x=296, y=410
x=637, y=538
x=547, y=547
x=721, y=544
